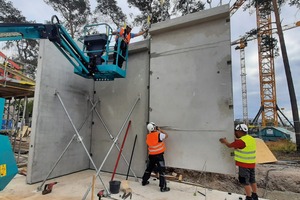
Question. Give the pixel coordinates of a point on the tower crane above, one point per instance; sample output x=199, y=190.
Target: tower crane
x=266, y=44
x=241, y=45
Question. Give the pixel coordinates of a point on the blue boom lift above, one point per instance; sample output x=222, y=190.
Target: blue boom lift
x=93, y=61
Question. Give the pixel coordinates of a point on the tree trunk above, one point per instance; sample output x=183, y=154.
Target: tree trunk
x=288, y=76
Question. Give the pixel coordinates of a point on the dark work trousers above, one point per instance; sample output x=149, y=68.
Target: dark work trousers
x=158, y=162
x=123, y=48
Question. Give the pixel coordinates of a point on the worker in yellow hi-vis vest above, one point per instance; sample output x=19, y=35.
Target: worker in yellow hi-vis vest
x=245, y=158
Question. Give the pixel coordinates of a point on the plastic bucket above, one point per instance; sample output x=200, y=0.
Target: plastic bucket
x=114, y=186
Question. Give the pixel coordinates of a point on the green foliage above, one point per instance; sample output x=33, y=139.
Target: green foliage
x=162, y=10
x=295, y=3
x=27, y=49
x=112, y=10
x=157, y=11
x=285, y=146
x=184, y=8
x=9, y=14
x=75, y=13
x=29, y=108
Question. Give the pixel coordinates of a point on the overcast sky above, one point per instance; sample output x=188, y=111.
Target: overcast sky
x=241, y=22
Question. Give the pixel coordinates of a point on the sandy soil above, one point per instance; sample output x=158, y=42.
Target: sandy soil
x=279, y=181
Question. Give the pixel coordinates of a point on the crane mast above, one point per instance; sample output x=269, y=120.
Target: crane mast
x=244, y=85
x=266, y=46
x=241, y=47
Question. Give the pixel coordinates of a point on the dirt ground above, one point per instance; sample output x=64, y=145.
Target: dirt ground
x=276, y=181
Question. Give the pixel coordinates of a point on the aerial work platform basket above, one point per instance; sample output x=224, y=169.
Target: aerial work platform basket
x=95, y=61
x=100, y=50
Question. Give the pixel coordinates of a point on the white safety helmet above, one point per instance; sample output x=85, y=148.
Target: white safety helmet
x=151, y=127
x=241, y=127
x=129, y=26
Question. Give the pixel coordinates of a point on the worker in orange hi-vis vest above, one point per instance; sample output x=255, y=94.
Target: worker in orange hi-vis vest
x=156, y=148
x=245, y=159
x=126, y=35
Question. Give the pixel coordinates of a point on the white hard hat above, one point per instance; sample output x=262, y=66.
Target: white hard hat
x=129, y=26
x=151, y=126
x=241, y=127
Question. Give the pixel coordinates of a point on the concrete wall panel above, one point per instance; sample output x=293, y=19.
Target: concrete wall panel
x=117, y=98
x=190, y=96
x=191, y=89
x=51, y=129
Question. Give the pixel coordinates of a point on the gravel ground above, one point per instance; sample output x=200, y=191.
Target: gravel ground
x=279, y=181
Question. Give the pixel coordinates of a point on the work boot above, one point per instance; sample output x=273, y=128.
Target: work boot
x=165, y=189
x=254, y=196
x=248, y=198
x=145, y=183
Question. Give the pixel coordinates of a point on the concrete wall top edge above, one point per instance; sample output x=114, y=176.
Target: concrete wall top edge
x=139, y=46
x=191, y=19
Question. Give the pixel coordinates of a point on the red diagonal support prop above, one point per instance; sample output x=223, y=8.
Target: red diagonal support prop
x=117, y=162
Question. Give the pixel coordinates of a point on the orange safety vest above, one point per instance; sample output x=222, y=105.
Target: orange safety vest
x=154, y=146
x=126, y=38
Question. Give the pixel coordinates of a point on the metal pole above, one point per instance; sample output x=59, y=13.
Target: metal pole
x=19, y=151
x=13, y=120
x=7, y=116
x=23, y=116
x=79, y=137
x=116, y=139
x=64, y=151
x=112, y=137
x=117, y=162
x=131, y=156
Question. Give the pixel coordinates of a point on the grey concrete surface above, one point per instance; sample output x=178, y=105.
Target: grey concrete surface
x=117, y=98
x=51, y=129
x=73, y=186
x=191, y=89
x=189, y=76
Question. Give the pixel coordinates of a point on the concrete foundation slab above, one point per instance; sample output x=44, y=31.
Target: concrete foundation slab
x=72, y=187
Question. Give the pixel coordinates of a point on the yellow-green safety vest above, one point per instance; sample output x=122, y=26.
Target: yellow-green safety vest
x=247, y=154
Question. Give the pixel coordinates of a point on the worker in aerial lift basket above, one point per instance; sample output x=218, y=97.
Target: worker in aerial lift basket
x=245, y=158
x=156, y=147
x=126, y=35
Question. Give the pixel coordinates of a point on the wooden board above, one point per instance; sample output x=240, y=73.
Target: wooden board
x=263, y=153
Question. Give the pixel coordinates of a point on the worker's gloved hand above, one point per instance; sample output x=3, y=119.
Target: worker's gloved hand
x=223, y=140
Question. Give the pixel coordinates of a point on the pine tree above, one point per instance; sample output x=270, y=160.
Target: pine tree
x=75, y=13
x=161, y=10
x=27, y=49
x=9, y=14
x=110, y=9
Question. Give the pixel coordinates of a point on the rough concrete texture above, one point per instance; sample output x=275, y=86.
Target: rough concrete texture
x=191, y=89
x=117, y=99
x=51, y=129
x=72, y=187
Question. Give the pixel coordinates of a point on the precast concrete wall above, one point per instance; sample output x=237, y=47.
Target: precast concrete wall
x=117, y=100
x=181, y=80
x=51, y=128
x=191, y=89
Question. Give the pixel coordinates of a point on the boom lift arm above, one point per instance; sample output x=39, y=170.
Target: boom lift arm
x=92, y=62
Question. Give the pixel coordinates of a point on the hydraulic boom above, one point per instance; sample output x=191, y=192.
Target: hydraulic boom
x=93, y=61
